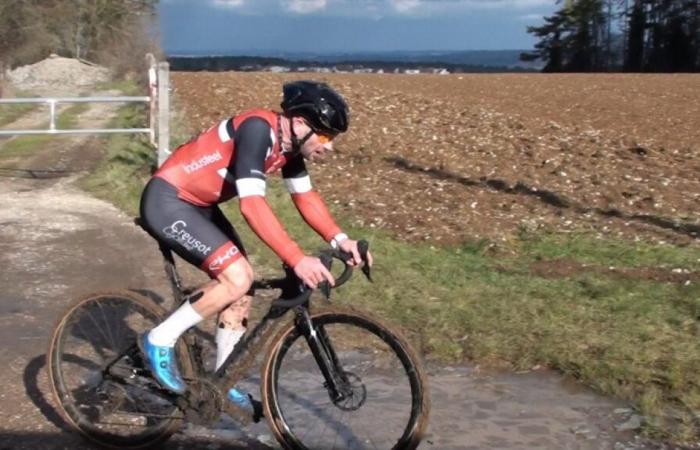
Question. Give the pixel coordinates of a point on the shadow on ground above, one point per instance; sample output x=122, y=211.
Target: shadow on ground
x=68, y=441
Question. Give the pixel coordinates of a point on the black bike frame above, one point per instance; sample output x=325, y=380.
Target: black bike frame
x=321, y=348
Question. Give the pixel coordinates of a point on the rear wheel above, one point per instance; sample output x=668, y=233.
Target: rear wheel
x=384, y=403
x=98, y=377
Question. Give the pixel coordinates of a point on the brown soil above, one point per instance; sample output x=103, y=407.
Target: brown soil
x=562, y=268
x=465, y=157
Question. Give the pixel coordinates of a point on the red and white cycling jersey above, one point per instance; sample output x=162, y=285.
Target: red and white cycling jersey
x=201, y=168
x=234, y=158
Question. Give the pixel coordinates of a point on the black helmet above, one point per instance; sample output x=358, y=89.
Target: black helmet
x=323, y=108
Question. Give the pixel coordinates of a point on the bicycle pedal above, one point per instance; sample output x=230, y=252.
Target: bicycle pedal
x=243, y=415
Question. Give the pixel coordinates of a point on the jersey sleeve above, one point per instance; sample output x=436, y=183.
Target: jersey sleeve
x=307, y=200
x=253, y=145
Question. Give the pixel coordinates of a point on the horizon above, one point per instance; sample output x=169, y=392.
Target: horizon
x=332, y=52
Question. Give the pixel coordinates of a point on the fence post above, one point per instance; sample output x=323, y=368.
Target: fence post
x=2, y=78
x=152, y=94
x=163, y=112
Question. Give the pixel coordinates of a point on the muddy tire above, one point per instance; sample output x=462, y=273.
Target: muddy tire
x=90, y=336
x=380, y=366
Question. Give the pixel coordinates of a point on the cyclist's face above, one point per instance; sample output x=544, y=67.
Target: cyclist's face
x=316, y=145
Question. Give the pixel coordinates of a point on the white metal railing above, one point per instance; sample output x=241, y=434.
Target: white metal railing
x=159, y=111
x=52, y=102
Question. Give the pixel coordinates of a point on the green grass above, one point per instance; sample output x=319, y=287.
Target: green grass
x=129, y=159
x=634, y=339
x=126, y=87
x=11, y=112
x=127, y=163
x=23, y=146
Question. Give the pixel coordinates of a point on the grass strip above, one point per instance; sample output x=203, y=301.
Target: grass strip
x=27, y=145
x=13, y=111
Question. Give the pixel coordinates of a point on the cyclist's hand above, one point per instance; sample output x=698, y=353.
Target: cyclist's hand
x=311, y=271
x=350, y=246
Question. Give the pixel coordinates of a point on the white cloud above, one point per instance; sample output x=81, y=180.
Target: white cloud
x=305, y=6
x=228, y=3
x=374, y=8
x=441, y=7
x=531, y=17
x=404, y=6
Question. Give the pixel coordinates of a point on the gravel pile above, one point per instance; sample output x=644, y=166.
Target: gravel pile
x=57, y=75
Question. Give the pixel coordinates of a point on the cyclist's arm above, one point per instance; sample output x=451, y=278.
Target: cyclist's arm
x=308, y=202
x=252, y=140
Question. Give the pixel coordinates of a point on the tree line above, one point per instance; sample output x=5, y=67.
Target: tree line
x=110, y=32
x=619, y=35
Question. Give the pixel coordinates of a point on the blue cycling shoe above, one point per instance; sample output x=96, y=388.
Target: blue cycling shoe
x=240, y=399
x=163, y=364
x=247, y=403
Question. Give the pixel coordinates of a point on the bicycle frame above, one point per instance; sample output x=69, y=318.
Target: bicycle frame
x=242, y=357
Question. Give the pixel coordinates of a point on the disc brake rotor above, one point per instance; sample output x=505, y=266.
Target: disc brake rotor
x=355, y=395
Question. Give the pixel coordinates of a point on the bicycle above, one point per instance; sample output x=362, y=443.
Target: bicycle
x=336, y=369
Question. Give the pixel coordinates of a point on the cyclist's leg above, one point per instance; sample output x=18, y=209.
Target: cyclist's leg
x=189, y=231
x=232, y=321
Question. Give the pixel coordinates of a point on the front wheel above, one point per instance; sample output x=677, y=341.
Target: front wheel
x=384, y=402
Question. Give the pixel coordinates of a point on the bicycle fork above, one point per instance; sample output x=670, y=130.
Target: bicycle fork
x=325, y=356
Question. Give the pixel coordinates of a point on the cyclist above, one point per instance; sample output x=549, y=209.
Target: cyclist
x=233, y=158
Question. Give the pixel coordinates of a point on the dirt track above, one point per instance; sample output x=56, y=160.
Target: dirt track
x=448, y=158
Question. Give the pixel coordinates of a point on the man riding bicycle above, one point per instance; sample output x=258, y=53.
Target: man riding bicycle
x=179, y=208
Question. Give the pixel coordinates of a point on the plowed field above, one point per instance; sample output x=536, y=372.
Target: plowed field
x=467, y=157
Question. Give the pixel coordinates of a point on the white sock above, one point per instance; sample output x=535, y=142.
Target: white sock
x=226, y=339
x=170, y=329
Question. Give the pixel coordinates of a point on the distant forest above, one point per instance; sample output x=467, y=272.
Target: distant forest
x=619, y=35
x=386, y=62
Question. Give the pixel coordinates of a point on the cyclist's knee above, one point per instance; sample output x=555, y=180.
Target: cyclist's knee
x=237, y=279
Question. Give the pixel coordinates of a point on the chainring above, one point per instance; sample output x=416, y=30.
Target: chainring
x=202, y=403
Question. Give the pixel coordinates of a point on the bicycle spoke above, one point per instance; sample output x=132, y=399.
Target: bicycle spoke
x=120, y=407
x=97, y=326
x=108, y=329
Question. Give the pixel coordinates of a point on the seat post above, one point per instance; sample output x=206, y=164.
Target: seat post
x=171, y=272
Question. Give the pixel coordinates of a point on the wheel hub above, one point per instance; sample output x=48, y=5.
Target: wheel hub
x=354, y=393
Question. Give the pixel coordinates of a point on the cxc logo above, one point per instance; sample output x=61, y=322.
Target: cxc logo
x=219, y=260
x=177, y=232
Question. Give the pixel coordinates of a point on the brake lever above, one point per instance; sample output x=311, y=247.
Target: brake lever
x=363, y=248
x=324, y=286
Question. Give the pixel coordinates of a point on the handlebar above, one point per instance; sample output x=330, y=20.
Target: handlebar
x=326, y=256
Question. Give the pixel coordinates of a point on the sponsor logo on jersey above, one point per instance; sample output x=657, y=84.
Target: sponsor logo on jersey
x=177, y=232
x=202, y=162
x=220, y=260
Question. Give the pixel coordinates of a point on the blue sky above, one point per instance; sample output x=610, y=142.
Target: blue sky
x=253, y=26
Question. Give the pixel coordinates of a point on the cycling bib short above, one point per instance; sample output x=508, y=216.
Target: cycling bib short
x=201, y=235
